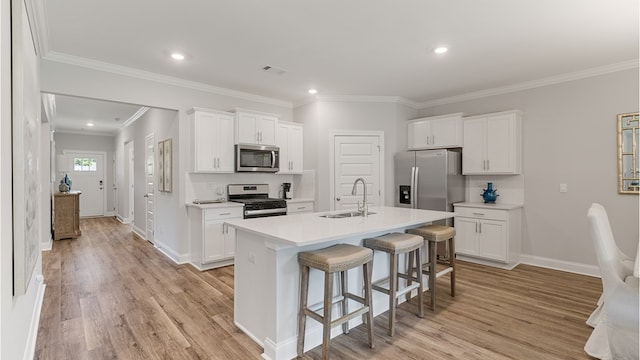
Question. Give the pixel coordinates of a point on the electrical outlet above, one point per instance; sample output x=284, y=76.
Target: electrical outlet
x=564, y=188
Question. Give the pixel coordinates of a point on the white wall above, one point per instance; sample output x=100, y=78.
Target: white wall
x=68, y=141
x=321, y=117
x=569, y=136
x=163, y=124
x=60, y=78
x=18, y=314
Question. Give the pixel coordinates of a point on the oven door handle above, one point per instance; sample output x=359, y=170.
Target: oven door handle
x=265, y=211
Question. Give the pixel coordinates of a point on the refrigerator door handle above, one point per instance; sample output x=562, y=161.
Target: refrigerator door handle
x=414, y=188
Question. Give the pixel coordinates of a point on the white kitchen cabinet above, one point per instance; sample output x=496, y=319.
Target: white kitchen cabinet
x=299, y=207
x=492, y=144
x=255, y=128
x=212, y=243
x=289, y=140
x=434, y=132
x=489, y=233
x=211, y=146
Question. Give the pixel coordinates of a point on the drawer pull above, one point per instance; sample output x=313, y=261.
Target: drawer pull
x=478, y=214
x=224, y=214
x=302, y=207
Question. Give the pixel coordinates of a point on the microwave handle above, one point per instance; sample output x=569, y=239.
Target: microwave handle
x=273, y=159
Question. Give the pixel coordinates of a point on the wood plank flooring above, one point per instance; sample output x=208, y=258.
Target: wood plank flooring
x=111, y=295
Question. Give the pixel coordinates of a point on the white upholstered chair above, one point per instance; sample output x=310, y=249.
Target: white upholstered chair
x=627, y=263
x=616, y=334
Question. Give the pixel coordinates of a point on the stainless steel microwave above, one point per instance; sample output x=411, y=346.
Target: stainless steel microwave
x=257, y=158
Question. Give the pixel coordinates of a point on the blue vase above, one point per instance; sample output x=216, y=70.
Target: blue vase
x=489, y=194
x=67, y=181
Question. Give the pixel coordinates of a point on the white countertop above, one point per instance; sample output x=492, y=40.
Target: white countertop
x=499, y=206
x=309, y=228
x=225, y=204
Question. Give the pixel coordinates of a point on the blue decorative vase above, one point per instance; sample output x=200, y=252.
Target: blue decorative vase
x=67, y=181
x=489, y=194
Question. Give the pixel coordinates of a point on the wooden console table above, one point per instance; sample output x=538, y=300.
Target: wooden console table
x=66, y=219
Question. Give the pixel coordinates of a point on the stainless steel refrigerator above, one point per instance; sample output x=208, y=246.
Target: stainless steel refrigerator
x=429, y=179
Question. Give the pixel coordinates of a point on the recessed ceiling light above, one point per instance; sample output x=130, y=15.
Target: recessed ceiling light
x=177, y=56
x=440, y=50
x=313, y=91
x=90, y=124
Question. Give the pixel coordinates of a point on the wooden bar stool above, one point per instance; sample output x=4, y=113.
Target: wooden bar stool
x=335, y=259
x=396, y=244
x=434, y=234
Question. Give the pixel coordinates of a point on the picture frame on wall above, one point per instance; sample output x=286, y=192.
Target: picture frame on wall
x=25, y=125
x=161, y=166
x=168, y=165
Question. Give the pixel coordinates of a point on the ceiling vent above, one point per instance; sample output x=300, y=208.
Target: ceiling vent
x=274, y=70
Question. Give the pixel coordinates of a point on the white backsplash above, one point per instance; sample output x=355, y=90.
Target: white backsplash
x=207, y=186
x=510, y=188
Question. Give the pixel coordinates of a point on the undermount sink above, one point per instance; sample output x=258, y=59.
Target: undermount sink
x=345, y=215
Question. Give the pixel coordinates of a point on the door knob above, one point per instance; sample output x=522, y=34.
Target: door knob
x=146, y=195
x=337, y=199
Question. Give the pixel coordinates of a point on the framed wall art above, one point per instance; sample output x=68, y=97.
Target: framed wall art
x=165, y=165
x=161, y=166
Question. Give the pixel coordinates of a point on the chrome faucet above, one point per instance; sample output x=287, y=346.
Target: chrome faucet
x=365, y=209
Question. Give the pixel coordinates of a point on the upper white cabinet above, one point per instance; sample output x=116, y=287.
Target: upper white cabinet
x=289, y=140
x=492, y=144
x=255, y=128
x=443, y=131
x=211, y=140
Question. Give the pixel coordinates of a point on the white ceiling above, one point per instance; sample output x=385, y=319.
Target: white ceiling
x=108, y=117
x=350, y=48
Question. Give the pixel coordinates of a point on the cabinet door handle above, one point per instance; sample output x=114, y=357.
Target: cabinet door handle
x=480, y=227
x=488, y=166
x=433, y=139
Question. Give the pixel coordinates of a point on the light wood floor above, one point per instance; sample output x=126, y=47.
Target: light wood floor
x=110, y=295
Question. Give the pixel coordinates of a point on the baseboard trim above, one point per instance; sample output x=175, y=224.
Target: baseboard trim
x=30, y=349
x=126, y=221
x=555, y=264
x=139, y=232
x=179, y=259
x=47, y=245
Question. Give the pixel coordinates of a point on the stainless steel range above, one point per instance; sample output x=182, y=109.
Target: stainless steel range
x=256, y=200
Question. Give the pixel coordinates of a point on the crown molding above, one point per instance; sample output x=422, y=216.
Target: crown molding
x=356, y=98
x=163, y=79
x=134, y=117
x=36, y=12
x=577, y=75
x=80, y=132
x=49, y=106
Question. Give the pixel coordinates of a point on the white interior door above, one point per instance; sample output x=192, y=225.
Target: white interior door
x=356, y=156
x=87, y=175
x=150, y=157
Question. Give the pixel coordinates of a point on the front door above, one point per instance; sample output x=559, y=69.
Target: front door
x=87, y=176
x=356, y=156
x=150, y=157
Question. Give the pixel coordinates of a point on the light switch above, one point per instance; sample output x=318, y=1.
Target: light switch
x=563, y=188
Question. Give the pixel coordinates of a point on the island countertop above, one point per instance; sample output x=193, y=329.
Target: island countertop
x=311, y=228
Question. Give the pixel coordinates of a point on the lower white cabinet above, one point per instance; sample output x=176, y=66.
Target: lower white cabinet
x=489, y=234
x=212, y=243
x=298, y=207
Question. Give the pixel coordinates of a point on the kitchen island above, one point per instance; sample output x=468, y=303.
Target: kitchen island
x=266, y=284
